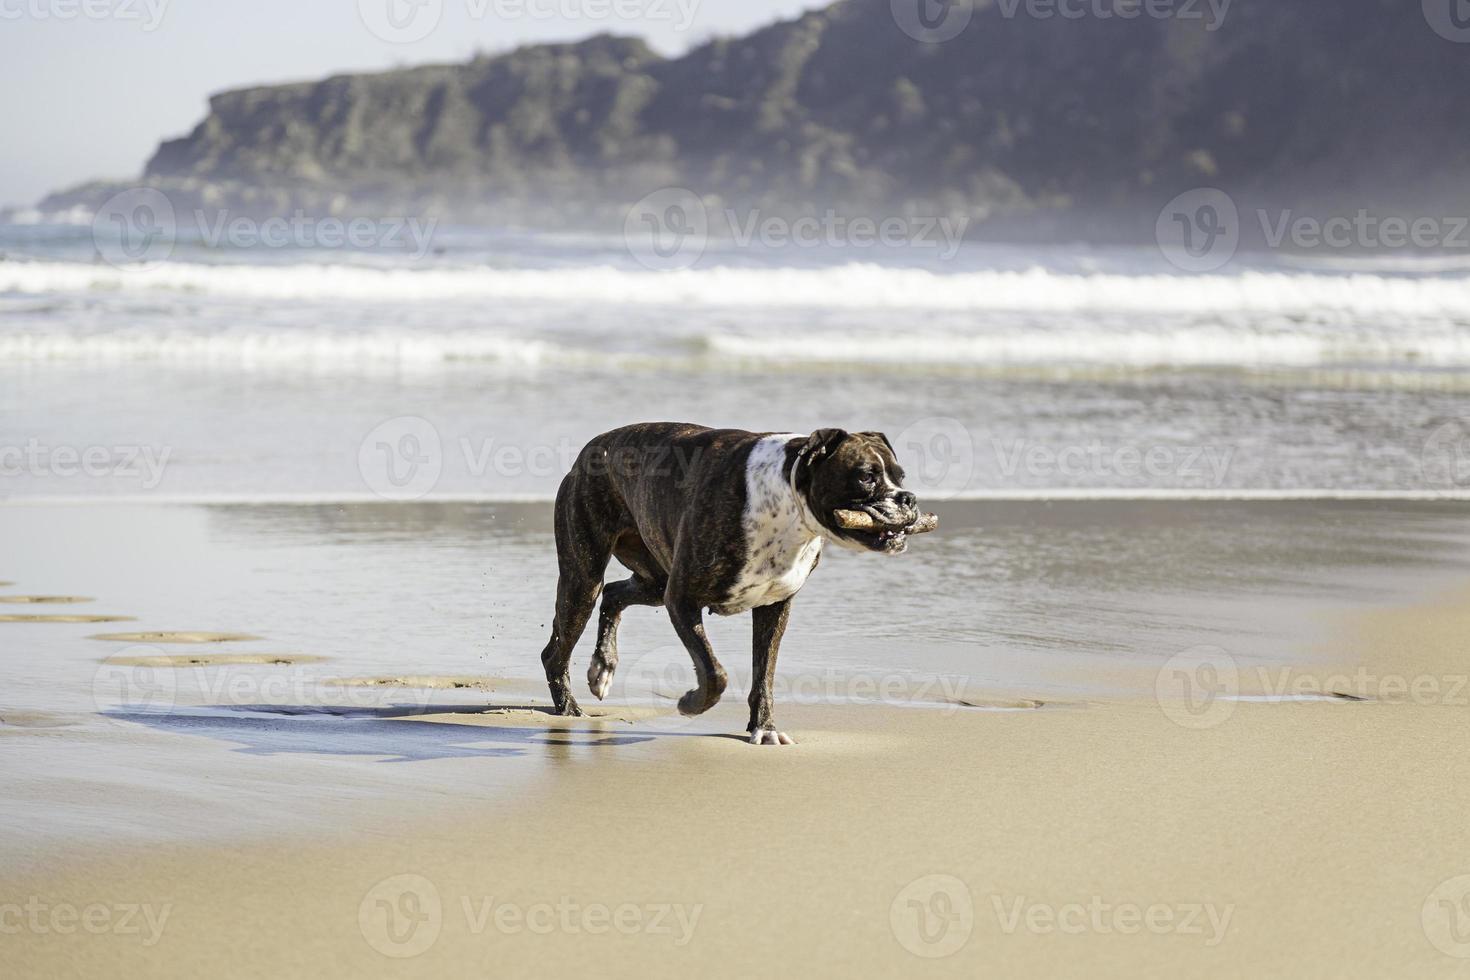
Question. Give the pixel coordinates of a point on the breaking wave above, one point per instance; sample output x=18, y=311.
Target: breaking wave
x=852, y=286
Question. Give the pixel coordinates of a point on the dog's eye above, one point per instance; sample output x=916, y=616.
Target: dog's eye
x=866, y=482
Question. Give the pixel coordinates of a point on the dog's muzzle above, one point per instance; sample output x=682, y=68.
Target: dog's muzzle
x=884, y=525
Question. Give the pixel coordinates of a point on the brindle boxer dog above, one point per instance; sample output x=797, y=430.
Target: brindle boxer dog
x=717, y=519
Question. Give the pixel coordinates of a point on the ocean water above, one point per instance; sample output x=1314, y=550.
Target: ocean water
x=475, y=368
x=351, y=455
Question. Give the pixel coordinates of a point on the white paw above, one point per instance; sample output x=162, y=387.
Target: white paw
x=765, y=736
x=599, y=678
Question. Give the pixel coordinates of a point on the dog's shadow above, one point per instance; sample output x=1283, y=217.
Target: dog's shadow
x=274, y=729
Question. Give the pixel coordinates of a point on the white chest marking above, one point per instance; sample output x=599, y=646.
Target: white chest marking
x=781, y=546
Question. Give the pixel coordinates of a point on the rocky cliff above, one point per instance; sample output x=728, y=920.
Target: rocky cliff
x=1044, y=121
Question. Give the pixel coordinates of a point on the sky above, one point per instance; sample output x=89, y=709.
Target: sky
x=92, y=86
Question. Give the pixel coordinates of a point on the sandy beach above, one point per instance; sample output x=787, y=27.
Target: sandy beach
x=1077, y=394
x=1264, y=801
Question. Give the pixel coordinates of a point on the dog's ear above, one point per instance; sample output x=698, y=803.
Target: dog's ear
x=883, y=438
x=820, y=444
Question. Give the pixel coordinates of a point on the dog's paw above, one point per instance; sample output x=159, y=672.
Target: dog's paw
x=767, y=736
x=569, y=708
x=697, y=701
x=599, y=678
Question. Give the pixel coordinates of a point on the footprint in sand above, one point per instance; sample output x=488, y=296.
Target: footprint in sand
x=165, y=636
x=445, y=682
x=1001, y=704
x=435, y=683
x=217, y=660
x=62, y=618
x=45, y=598
x=34, y=719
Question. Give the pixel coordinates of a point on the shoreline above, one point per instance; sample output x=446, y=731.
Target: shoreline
x=1018, y=817
x=440, y=822
x=1054, y=495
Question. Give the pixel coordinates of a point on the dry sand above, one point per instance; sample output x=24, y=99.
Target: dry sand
x=1129, y=838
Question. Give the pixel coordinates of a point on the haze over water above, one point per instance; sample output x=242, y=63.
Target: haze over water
x=262, y=371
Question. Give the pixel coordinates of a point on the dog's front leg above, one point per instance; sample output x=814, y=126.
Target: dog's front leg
x=688, y=620
x=770, y=626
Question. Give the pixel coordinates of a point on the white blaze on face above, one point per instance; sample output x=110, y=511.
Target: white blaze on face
x=782, y=537
x=885, y=482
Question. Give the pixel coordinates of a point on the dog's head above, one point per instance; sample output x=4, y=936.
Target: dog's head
x=856, y=471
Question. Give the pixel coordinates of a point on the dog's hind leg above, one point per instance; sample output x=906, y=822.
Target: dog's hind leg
x=576, y=596
x=633, y=591
x=583, y=550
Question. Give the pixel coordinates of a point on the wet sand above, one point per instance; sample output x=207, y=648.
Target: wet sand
x=1217, y=808
x=1300, y=839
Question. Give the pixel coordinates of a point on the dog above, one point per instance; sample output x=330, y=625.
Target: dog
x=718, y=519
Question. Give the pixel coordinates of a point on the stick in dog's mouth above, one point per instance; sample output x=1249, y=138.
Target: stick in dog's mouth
x=857, y=520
